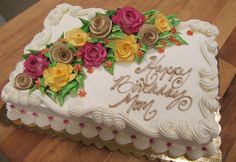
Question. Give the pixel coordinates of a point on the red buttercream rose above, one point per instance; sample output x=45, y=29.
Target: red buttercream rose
x=129, y=19
x=35, y=64
x=93, y=54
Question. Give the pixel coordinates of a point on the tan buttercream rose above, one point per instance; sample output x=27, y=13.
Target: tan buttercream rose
x=148, y=35
x=23, y=81
x=61, y=53
x=100, y=26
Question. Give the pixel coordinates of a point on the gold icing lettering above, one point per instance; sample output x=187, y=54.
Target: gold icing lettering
x=175, y=78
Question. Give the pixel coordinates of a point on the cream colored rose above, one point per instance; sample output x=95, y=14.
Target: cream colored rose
x=76, y=37
x=162, y=23
x=125, y=49
x=58, y=76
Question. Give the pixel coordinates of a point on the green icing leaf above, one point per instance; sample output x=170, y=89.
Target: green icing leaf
x=173, y=20
x=116, y=35
x=110, y=69
x=42, y=89
x=62, y=35
x=51, y=94
x=100, y=14
x=110, y=54
x=53, y=63
x=84, y=21
x=77, y=61
x=164, y=35
x=181, y=40
x=42, y=82
x=71, y=47
x=110, y=13
x=65, y=91
x=74, y=91
x=96, y=40
x=49, y=45
x=34, y=52
x=170, y=17
x=116, y=28
x=111, y=58
x=151, y=16
x=25, y=56
x=80, y=79
x=85, y=26
x=144, y=48
x=48, y=55
x=31, y=90
x=151, y=20
x=110, y=45
x=150, y=12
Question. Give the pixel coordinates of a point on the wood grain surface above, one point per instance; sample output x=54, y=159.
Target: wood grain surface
x=20, y=145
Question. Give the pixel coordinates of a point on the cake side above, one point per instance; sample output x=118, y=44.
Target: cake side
x=197, y=134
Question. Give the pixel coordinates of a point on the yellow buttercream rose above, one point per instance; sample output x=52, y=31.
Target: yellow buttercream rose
x=76, y=37
x=162, y=23
x=125, y=49
x=58, y=76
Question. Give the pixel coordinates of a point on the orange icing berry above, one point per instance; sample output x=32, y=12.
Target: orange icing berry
x=173, y=30
x=163, y=42
x=107, y=41
x=37, y=83
x=140, y=53
x=78, y=68
x=108, y=64
x=161, y=49
x=45, y=51
x=190, y=32
x=178, y=44
x=90, y=70
x=78, y=54
x=82, y=93
x=172, y=39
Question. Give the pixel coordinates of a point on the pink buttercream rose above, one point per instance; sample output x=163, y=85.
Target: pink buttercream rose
x=93, y=54
x=35, y=64
x=129, y=19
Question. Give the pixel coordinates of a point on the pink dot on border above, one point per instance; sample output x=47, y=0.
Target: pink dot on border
x=98, y=128
x=50, y=118
x=81, y=125
x=189, y=148
x=35, y=114
x=204, y=148
x=133, y=137
x=23, y=111
x=66, y=121
x=168, y=144
x=152, y=141
x=115, y=132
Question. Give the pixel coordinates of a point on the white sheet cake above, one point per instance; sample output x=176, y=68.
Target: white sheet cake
x=156, y=88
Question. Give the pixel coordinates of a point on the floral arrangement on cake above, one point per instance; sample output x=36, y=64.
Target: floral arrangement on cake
x=122, y=35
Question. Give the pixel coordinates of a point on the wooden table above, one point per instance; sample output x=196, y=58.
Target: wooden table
x=20, y=145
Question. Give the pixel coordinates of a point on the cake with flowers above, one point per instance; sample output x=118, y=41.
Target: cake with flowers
x=142, y=79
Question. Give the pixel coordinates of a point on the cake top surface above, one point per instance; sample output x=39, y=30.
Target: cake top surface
x=123, y=68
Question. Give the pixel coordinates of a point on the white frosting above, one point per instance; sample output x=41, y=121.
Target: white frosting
x=197, y=125
x=159, y=146
x=90, y=130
